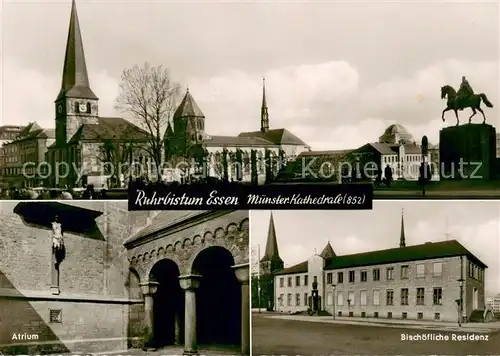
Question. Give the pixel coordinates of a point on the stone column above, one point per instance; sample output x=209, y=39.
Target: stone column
x=189, y=283
x=54, y=287
x=242, y=272
x=148, y=289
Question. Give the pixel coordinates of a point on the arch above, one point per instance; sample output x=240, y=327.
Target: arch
x=218, y=299
x=168, y=304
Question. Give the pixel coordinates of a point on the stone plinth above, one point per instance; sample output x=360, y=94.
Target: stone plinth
x=467, y=152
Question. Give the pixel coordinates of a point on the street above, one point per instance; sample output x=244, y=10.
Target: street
x=292, y=337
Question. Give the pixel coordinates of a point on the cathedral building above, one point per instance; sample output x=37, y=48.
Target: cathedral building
x=432, y=281
x=247, y=157
x=93, y=277
x=82, y=137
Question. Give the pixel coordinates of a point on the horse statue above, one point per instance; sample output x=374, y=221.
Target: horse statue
x=472, y=101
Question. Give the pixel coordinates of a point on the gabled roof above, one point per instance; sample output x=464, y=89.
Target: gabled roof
x=110, y=128
x=327, y=251
x=301, y=267
x=276, y=136
x=429, y=250
x=324, y=153
x=188, y=107
x=221, y=141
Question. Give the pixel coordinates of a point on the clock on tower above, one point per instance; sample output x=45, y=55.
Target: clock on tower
x=82, y=107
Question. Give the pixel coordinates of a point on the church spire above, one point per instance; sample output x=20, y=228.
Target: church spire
x=75, y=81
x=271, y=254
x=402, y=240
x=264, y=115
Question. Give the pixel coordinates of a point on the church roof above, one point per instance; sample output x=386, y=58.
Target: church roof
x=276, y=136
x=75, y=81
x=235, y=141
x=188, y=107
x=327, y=251
x=429, y=250
x=271, y=253
x=109, y=128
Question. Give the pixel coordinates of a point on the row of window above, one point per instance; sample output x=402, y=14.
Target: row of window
x=297, y=281
x=476, y=272
x=407, y=158
x=404, y=315
x=390, y=274
x=437, y=297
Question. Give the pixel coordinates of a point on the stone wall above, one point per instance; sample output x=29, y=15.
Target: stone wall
x=100, y=302
x=473, y=144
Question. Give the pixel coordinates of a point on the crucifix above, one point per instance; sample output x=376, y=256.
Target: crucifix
x=58, y=253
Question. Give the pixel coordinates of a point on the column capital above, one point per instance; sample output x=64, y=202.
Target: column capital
x=149, y=288
x=189, y=281
x=242, y=272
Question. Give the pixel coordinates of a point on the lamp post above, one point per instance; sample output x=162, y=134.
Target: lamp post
x=333, y=300
x=461, y=301
x=423, y=168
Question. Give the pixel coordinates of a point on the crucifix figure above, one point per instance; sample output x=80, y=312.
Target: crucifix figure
x=58, y=253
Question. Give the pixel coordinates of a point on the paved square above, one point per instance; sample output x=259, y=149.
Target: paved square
x=292, y=337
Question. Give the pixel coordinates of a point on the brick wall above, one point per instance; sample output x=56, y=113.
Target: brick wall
x=96, y=287
x=448, y=282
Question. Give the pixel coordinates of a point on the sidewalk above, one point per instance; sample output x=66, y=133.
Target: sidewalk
x=395, y=323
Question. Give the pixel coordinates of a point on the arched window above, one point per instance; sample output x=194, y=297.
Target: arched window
x=89, y=108
x=77, y=107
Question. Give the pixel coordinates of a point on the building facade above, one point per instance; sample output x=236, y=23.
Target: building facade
x=24, y=156
x=494, y=303
x=248, y=157
x=7, y=134
x=432, y=281
x=94, y=277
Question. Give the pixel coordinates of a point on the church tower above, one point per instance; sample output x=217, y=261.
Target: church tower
x=269, y=264
x=76, y=103
x=189, y=125
x=402, y=239
x=264, y=114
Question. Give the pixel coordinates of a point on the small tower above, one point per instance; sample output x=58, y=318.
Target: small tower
x=269, y=264
x=169, y=141
x=76, y=103
x=402, y=239
x=271, y=261
x=264, y=114
x=189, y=124
x=328, y=254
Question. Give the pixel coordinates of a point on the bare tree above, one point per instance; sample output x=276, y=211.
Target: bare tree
x=117, y=155
x=149, y=95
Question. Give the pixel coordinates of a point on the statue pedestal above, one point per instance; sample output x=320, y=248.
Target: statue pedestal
x=467, y=152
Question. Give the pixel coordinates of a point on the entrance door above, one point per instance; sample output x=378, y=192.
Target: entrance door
x=475, y=299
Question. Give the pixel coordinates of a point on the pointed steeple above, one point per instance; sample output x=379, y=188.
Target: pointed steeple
x=271, y=254
x=327, y=252
x=169, y=131
x=402, y=240
x=264, y=114
x=188, y=107
x=75, y=81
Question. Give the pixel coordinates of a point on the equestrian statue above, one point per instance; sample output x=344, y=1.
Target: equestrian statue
x=464, y=98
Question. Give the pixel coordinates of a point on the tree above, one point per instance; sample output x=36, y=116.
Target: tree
x=149, y=96
x=253, y=164
x=225, y=165
x=239, y=164
x=116, y=155
x=268, y=166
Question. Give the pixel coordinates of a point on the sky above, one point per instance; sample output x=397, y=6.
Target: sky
x=337, y=73
x=475, y=224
